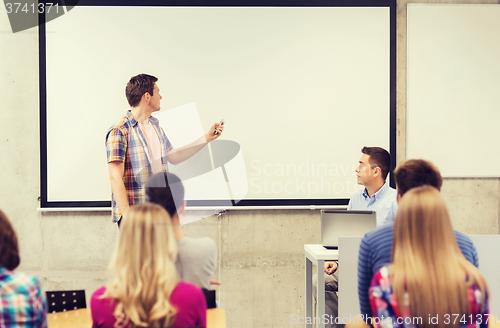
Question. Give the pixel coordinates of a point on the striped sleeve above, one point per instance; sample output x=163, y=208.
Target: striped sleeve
x=364, y=277
x=374, y=252
x=467, y=247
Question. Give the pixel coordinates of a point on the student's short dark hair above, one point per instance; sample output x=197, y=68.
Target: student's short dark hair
x=415, y=173
x=380, y=157
x=138, y=86
x=9, y=250
x=165, y=189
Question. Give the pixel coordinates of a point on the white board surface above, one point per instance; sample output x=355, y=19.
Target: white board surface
x=301, y=90
x=453, y=104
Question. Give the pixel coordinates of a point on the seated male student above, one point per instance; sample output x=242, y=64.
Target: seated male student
x=372, y=171
x=376, y=245
x=196, y=257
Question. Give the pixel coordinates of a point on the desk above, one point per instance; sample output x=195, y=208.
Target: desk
x=317, y=254
x=75, y=319
x=216, y=318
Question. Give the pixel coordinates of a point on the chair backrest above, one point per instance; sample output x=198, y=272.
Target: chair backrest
x=210, y=298
x=66, y=300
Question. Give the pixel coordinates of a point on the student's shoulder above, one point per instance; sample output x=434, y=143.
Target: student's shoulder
x=390, y=193
x=207, y=241
x=357, y=193
x=96, y=299
x=462, y=236
x=188, y=296
x=464, y=241
x=197, y=249
x=21, y=293
x=204, y=242
x=384, y=230
x=391, y=190
x=393, y=193
x=184, y=286
x=186, y=290
x=98, y=293
x=378, y=234
x=355, y=200
x=15, y=282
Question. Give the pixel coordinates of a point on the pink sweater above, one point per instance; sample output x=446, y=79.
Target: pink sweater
x=187, y=298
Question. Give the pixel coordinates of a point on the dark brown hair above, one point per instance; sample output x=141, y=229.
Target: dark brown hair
x=380, y=157
x=9, y=251
x=165, y=189
x=138, y=86
x=415, y=173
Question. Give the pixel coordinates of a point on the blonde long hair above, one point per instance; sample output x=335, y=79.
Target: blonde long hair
x=427, y=262
x=144, y=268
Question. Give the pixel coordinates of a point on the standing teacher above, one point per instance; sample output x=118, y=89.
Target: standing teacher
x=137, y=146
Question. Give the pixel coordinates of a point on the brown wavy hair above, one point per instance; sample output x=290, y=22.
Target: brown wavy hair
x=9, y=249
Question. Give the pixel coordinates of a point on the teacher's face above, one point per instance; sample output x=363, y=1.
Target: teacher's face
x=154, y=102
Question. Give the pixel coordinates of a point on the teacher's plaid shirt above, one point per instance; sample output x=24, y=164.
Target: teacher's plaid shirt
x=22, y=301
x=125, y=142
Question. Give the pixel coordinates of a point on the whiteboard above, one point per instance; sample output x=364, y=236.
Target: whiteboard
x=453, y=98
x=301, y=90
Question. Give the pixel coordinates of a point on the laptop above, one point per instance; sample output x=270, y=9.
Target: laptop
x=342, y=223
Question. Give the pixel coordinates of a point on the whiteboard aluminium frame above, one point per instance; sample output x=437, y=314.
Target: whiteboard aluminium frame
x=46, y=205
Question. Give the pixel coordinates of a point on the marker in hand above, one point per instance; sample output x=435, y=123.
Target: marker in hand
x=221, y=121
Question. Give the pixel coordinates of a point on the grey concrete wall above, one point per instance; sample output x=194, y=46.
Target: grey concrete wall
x=261, y=265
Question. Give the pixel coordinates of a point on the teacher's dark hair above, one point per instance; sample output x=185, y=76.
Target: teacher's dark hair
x=138, y=86
x=379, y=157
x=9, y=250
x=165, y=189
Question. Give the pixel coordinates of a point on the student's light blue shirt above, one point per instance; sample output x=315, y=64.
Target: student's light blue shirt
x=383, y=202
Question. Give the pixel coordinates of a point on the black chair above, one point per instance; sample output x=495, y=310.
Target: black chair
x=210, y=297
x=66, y=300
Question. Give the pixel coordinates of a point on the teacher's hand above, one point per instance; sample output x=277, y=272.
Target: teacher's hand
x=217, y=127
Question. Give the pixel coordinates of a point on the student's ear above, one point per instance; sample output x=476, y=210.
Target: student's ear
x=181, y=209
x=398, y=198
